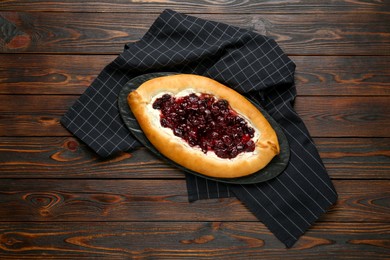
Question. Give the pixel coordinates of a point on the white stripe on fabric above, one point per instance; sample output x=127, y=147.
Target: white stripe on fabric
x=286, y=203
x=269, y=214
x=277, y=207
x=292, y=194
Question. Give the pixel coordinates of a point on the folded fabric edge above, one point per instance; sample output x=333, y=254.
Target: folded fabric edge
x=192, y=197
x=153, y=27
x=66, y=123
x=291, y=242
x=287, y=241
x=103, y=154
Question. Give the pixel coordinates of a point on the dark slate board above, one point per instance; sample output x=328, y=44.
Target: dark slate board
x=273, y=169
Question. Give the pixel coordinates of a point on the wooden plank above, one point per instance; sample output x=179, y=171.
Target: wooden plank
x=66, y=157
x=345, y=116
x=199, y=6
x=349, y=158
x=161, y=240
x=25, y=113
x=342, y=75
x=49, y=157
x=155, y=200
x=39, y=115
x=49, y=74
x=303, y=34
x=32, y=125
x=72, y=74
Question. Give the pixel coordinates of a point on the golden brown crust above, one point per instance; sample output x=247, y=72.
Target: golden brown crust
x=178, y=150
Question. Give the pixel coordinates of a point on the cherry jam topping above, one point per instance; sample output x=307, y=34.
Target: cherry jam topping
x=206, y=122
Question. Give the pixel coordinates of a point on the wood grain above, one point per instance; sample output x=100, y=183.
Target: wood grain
x=161, y=240
x=49, y=74
x=345, y=116
x=103, y=33
x=360, y=158
x=66, y=157
x=39, y=115
x=72, y=74
x=200, y=6
x=58, y=200
x=342, y=75
x=155, y=200
x=45, y=124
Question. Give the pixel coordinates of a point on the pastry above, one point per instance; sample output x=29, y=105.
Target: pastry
x=203, y=125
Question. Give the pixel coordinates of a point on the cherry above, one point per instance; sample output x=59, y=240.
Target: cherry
x=207, y=122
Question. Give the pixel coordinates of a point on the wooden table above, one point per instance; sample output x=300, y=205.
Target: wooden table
x=59, y=200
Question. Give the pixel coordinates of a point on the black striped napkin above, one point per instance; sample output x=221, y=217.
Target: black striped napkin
x=252, y=64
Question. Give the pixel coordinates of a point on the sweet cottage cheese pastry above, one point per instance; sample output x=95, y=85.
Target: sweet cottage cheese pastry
x=203, y=125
